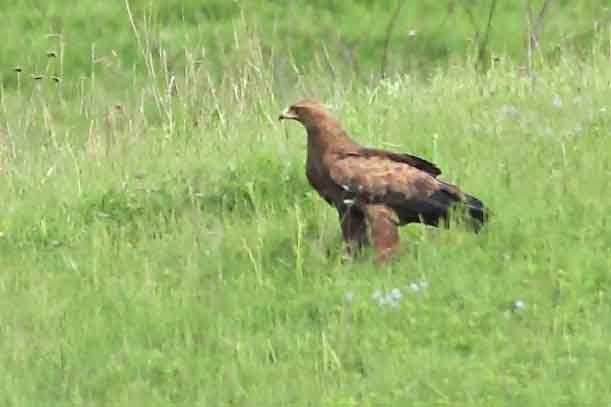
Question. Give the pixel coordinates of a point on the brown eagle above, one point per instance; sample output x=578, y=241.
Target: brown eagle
x=373, y=187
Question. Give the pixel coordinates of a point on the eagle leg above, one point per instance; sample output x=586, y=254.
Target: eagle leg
x=354, y=229
x=384, y=231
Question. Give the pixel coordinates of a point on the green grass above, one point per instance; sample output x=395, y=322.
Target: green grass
x=96, y=37
x=160, y=246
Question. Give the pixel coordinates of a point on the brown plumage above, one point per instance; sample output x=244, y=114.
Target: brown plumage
x=373, y=187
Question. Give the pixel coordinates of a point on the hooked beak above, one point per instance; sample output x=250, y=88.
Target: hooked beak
x=288, y=114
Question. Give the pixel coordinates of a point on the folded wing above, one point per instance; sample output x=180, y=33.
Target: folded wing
x=409, y=159
x=415, y=194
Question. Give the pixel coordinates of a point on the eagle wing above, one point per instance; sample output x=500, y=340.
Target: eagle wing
x=370, y=178
x=409, y=159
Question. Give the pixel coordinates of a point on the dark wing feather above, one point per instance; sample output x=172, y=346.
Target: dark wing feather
x=413, y=194
x=380, y=179
x=409, y=159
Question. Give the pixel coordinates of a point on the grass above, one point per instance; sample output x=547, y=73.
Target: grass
x=160, y=245
x=307, y=33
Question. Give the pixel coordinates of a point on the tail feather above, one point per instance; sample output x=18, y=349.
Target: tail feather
x=436, y=208
x=450, y=194
x=477, y=210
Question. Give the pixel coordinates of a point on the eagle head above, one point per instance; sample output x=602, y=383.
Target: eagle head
x=307, y=112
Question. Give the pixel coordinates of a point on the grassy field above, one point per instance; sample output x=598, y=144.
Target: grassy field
x=160, y=246
x=96, y=37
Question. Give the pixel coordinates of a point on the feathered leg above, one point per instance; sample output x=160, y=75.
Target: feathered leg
x=354, y=229
x=384, y=231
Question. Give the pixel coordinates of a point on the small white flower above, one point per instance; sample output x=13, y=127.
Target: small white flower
x=557, y=102
x=391, y=299
x=418, y=285
x=519, y=305
x=395, y=294
x=349, y=296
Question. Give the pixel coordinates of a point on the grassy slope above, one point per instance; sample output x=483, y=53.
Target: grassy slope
x=178, y=258
x=96, y=36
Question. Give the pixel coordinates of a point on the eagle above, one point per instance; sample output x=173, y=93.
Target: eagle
x=373, y=188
